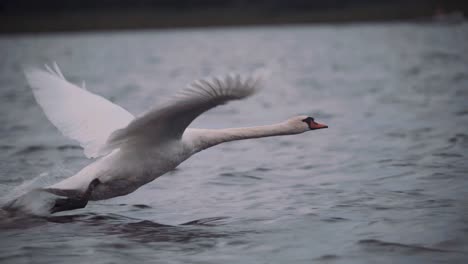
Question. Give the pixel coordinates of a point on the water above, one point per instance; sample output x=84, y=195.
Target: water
x=385, y=183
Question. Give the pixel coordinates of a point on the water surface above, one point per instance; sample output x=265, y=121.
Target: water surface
x=386, y=183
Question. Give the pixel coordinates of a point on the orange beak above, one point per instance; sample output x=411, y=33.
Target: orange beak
x=315, y=125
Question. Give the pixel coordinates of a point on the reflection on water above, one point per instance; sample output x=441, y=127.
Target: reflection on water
x=386, y=183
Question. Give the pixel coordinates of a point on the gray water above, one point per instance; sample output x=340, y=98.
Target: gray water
x=385, y=183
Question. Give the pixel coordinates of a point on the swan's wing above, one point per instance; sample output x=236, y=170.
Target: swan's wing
x=77, y=113
x=170, y=121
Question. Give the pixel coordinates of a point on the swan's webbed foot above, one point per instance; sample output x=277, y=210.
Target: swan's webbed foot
x=68, y=204
x=74, y=200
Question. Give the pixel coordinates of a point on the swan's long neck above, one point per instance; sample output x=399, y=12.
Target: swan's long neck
x=205, y=138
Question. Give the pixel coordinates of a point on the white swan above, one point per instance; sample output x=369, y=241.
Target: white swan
x=133, y=151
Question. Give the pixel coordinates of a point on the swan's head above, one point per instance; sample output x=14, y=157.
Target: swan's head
x=304, y=123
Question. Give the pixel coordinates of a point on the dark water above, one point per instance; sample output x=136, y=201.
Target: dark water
x=386, y=183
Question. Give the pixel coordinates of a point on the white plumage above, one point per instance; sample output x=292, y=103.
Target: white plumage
x=80, y=115
x=134, y=151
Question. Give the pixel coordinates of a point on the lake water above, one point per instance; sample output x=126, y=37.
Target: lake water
x=385, y=183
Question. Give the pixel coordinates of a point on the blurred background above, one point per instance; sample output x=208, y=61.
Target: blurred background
x=70, y=15
x=385, y=183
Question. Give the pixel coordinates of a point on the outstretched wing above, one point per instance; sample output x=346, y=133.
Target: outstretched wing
x=77, y=113
x=170, y=121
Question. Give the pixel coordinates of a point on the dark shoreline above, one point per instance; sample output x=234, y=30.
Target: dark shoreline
x=130, y=18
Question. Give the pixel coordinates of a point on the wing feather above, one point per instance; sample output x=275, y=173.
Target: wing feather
x=170, y=121
x=85, y=117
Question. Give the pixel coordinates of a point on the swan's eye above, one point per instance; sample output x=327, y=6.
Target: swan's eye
x=308, y=120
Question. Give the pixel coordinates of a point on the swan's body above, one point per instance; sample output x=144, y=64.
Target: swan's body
x=134, y=151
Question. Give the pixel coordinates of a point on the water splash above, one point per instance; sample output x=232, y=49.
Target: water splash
x=29, y=199
x=36, y=202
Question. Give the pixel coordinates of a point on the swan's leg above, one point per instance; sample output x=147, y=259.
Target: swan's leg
x=74, y=200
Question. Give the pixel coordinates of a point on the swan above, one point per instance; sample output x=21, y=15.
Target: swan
x=131, y=151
